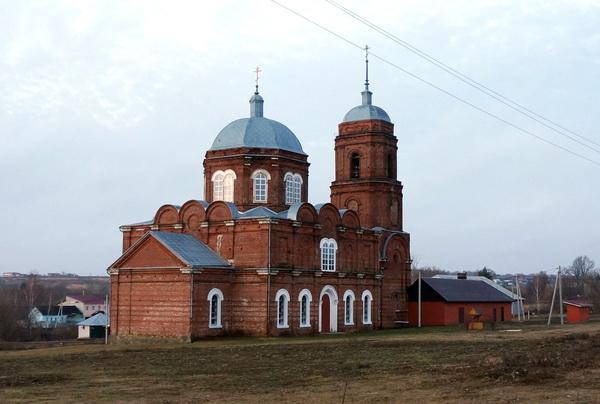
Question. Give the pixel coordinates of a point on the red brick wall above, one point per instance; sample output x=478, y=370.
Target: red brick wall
x=441, y=313
x=153, y=303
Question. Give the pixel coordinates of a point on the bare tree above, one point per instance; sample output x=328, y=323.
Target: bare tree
x=538, y=288
x=581, y=268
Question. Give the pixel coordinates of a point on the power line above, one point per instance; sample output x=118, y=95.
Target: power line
x=471, y=82
x=407, y=72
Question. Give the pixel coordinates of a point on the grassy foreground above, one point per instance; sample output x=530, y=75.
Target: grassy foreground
x=429, y=365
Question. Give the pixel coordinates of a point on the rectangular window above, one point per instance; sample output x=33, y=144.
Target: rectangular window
x=260, y=188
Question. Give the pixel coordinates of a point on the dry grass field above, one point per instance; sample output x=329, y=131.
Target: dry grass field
x=561, y=364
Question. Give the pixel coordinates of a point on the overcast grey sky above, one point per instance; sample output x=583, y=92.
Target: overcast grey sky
x=107, y=109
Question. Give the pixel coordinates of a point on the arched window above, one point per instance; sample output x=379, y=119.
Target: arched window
x=223, y=185
x=305, y=298
x=215, y=303
x=261, y=186
x=348, y=307
x=293, y=188
x=282, y=298
x=367, y=300
x=328, y=254
x=218, y=187
x=355, y=166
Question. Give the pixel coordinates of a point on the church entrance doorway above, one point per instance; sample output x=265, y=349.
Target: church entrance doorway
x=328, y=310
x=325, y=310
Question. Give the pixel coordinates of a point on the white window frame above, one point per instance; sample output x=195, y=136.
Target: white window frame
x=349, y=295
x=255, y=176
x=329, y=249
x=293, y=188
x=215, y=292
x=303, y=293
x=367, y=308
x=223, y=183
x=286, y=304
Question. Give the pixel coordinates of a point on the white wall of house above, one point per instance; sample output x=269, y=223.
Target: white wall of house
x=83, y=332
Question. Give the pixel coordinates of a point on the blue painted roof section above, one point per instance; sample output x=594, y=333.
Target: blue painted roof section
x=99, y=319
x=189, y=249
x=259, y=211
x=366, y=112
x=257, y=132
x=145, y=223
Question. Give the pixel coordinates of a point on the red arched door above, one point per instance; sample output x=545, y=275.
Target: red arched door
x=325, y=314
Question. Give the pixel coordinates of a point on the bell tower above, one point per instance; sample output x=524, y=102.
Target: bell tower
x=365, y=165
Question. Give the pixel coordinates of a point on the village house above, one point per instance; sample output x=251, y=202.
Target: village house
x=87, y=304
x=253, y=257
x=55, y=316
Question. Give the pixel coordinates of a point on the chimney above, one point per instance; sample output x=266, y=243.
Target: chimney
x=461, y=275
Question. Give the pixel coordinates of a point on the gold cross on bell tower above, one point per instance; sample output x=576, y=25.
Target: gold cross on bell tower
x=257, y=71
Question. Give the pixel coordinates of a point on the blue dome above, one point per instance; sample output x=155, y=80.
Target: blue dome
x=366, y=110
x=363, y=112
x=257, y=132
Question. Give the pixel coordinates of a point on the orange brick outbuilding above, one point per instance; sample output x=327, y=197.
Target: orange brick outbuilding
x=448, y=302
x=255, y=258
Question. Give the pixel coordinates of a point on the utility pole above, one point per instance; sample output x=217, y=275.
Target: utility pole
x=518, y=297
x=419, y=299
x=560, y=299
x=107, y=320
x=553, y=297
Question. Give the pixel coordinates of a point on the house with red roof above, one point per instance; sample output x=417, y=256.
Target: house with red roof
x=87, y=304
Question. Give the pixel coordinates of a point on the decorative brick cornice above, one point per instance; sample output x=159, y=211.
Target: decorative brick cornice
x=265, y=271
x=125, y=228
x=154, y=227
x=113, y=271
x=189, y=271
x=268, y=221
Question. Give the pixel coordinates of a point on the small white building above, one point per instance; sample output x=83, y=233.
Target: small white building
x=93, y=327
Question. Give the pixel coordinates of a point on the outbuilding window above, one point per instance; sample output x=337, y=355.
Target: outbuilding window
x=367, y=299
x=328, y=254
x=305, y=299
x=349, y=307
x=215, y=299
x=282, y=298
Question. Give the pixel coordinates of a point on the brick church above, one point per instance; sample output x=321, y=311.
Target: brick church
x=255, y=258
